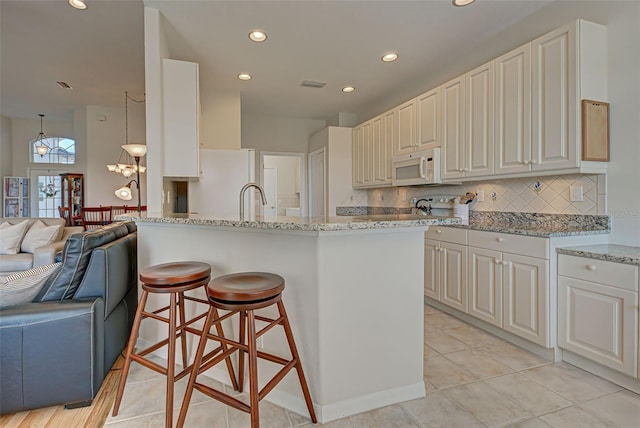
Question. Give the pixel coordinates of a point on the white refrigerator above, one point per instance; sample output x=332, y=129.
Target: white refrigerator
x=223, y=173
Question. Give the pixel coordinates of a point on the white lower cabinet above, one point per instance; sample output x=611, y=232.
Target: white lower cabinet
x=598, y=311
x=525, y=297
x=485, y=285
x=445, y=266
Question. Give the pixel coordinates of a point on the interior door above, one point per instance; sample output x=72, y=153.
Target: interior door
x=317, y=191
x=271, y=192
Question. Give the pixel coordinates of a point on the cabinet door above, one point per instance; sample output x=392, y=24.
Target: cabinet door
x=599, y=322
x=406, y=140
x=431, y=269
x=526, y=298
x=378, y=145
x=367, y=141
x=453, y=275
x=453, y=144
x=553, y=75
x=485, y=285
x=512, y=130
x=479, y=121
x=181, y=123
x=390, y=135
x=429, y=119
x=358, y=157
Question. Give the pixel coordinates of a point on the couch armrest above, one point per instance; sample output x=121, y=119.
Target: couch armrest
x=50, y=353
x=47, y=253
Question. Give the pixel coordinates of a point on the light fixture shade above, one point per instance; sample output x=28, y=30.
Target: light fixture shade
x=127, y=172
x=124, y=193
x=142, y=169
x=78, y=4
x=111, y=168
x=135, y=150
x=42, y=150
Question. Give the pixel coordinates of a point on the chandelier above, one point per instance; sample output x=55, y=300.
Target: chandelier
x=126, y=165
x=41, y=145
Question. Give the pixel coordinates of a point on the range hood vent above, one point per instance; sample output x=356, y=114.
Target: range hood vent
x=312, y=84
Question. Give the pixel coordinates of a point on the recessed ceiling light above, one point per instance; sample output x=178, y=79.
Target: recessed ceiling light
x=462, y=2
x=64, y=85
x=258, y=36
x=348, y=89
x=78, y=4
x=244, y=76
x=389, y=57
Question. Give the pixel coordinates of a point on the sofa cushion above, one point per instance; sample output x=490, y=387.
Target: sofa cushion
x=11, y=236
x=75, y=259
x=22, y=287
x=15, y=262
x=38, y=235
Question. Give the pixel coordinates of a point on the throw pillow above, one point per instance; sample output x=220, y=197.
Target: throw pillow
x=22, y=287
x=11, y=237
x=39, y=234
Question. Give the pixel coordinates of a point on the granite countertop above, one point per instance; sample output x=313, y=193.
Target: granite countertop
x=540, y=225
x=314, y=224
x=608, y=252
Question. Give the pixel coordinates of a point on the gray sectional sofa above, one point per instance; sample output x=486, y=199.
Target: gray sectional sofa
x=58, y=349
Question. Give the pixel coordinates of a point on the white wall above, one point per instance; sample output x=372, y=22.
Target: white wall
x=278, y=134
x=220, y=121
x=288, y=169
x=5, y=146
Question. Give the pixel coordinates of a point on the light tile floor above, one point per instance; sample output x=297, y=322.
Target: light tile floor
x=473, y=379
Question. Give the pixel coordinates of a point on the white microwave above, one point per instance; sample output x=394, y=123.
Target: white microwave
x=417, y=168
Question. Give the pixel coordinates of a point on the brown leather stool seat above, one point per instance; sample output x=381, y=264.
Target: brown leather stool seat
x=173, y=279
x=242, y=293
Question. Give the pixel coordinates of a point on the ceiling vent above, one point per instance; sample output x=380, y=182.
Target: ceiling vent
x=64, y=85
x=312, y=84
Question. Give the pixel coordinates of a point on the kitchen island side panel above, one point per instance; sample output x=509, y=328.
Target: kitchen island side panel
x=354, y=299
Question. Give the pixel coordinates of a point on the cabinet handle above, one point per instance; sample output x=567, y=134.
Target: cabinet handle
x=496, y=261
x=438, y=230
x=532, y=162
x=591, y=267
x=499, y=239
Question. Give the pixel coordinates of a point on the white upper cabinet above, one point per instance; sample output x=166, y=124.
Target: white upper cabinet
x=478, y=151
x=406, y=119
x=372, y=152
x=429, y=120
x=453, y=121
x=181, y=118
x=512, y=129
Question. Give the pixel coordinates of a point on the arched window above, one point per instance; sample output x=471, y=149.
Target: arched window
x=61, y=150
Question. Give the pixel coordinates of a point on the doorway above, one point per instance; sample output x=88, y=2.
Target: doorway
x=287, y=178
x=45, y=192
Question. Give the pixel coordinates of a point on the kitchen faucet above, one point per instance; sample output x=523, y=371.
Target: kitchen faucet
x=243, y=190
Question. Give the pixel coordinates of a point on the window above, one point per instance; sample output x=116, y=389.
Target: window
x=61, y=150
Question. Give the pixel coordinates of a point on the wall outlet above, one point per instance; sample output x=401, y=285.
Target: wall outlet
x=575, y=194
x=480, y=195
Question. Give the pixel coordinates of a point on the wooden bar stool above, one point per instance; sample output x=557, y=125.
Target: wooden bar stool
x=241, y=294
x=173, y=279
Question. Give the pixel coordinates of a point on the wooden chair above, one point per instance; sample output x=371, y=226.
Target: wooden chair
x=134, y=208
x=64, y=213
x=117, y=210
x=94, y=217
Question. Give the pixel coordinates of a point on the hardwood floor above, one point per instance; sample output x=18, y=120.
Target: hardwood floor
x=57, y=416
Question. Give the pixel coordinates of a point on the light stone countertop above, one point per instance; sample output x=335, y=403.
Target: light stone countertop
x=608, y=252
x=312, y=224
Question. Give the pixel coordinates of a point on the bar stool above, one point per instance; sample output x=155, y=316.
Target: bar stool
x=173, y=279
x=242, y=293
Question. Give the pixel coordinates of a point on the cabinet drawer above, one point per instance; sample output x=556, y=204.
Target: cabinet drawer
x=447, y=234
x=516, y=244
x=617, y=275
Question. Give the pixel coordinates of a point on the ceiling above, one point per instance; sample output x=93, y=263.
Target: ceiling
x=100, y=51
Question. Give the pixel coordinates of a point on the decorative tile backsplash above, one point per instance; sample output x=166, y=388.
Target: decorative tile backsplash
x=550, y=194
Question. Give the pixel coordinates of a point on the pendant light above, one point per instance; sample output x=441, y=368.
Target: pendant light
x=128, y=150
x=41, y=145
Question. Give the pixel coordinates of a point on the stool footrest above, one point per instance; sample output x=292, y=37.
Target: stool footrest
x=221, y=396
x=277, y=378
x=149, y=364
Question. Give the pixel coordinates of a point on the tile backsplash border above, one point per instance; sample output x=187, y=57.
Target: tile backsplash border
x=547, y=194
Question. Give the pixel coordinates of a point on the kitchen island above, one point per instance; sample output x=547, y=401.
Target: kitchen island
x=354, y=295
